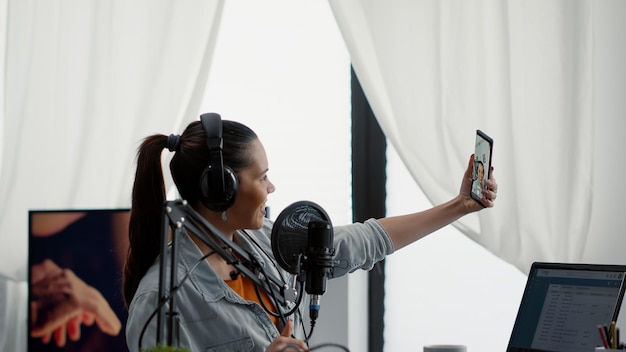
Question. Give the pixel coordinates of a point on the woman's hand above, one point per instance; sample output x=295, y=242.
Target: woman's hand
x=490, y=191
x=286, y=343
x=61, y=302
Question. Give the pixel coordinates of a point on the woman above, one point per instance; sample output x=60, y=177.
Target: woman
x=478, y=184
x=218, y=309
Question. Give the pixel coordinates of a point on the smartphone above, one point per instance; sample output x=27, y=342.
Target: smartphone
x=482, y=164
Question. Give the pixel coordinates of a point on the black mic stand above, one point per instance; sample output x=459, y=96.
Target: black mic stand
x=179, y=216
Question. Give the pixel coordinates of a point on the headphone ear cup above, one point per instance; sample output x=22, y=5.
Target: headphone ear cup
x=213, y=197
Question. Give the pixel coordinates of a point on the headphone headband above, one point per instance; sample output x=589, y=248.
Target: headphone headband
x=212, y=124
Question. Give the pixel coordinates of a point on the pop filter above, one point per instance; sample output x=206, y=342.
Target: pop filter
x=291, y=232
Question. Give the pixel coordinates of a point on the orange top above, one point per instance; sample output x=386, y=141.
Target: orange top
x=245, y=289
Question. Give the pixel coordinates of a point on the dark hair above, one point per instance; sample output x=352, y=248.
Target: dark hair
x=186, y=167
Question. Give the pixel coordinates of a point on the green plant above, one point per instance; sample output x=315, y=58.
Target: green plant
x=164, y=348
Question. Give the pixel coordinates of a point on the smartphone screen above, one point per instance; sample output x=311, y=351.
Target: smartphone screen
x=482, y=164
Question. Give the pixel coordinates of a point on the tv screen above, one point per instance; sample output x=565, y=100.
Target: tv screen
x=81, y=250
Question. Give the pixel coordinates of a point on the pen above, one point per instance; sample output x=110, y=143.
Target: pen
x=613, y=337
x=603, y=337
x=607, y=335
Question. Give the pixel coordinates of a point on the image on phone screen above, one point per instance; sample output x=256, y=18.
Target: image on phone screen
x=482, y=164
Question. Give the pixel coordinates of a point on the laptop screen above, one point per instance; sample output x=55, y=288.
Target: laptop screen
x=563, y=304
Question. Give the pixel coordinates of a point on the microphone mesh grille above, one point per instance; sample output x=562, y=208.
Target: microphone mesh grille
x=290, y=232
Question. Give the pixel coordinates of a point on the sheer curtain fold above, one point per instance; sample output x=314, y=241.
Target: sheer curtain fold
x=522, y=71
x=84, y=82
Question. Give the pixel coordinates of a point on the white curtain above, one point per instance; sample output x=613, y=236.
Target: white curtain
x=84, y=82
x=540, y=77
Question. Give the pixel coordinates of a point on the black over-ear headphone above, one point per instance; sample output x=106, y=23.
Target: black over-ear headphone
x=218, y=183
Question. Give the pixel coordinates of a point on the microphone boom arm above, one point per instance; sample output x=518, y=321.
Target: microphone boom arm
x=179, y=216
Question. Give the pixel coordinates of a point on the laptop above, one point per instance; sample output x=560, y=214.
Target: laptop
x=563, y=304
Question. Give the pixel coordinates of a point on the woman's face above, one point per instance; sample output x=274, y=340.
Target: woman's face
x=248, y=210
x=481, y=172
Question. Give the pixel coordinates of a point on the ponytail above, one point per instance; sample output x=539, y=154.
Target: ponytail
x=145, y=226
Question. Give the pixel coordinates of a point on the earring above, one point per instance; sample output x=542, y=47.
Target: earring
x=224, y=217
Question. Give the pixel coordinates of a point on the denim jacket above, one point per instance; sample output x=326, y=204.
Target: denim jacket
x=212, y=317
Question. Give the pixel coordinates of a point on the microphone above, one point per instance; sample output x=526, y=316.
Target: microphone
x=302, y=243
x=319, y=263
